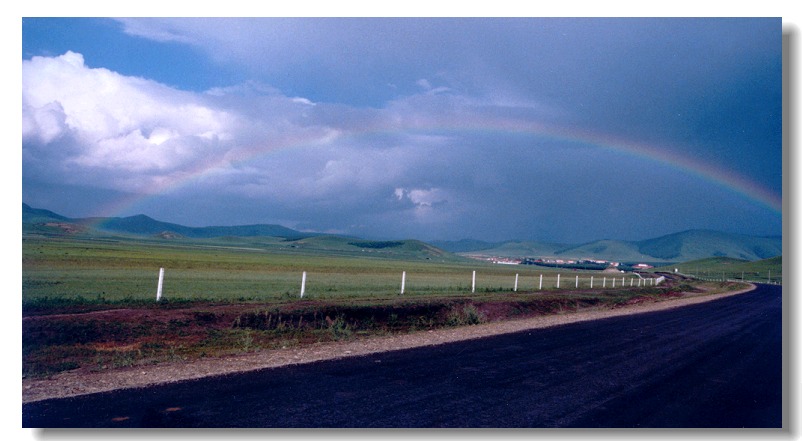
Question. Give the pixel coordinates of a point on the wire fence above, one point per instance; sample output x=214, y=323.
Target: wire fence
x=328, y=284
x=732, y=277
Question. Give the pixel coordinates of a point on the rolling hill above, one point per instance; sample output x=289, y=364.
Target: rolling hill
x=251, y=237
x=697, y=244
x=414, y=249
x=678, y=247
x=765, y=270
x=38, y=215
x=144, y=225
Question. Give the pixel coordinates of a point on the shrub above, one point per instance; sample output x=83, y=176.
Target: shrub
x=339, y=328
x=465, y=315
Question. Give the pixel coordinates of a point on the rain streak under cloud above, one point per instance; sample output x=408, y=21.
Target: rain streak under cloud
x=549, y=129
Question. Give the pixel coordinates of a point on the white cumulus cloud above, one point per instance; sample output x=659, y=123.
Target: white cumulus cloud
x=44, y=123
x=84, y=123
x=422, y=198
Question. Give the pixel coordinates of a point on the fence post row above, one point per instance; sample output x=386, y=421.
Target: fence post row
x=652, y=281
x=641, y=281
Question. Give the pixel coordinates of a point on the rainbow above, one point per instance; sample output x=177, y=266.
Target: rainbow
x=659, y=154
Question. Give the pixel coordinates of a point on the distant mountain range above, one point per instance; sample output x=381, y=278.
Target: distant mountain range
x=678, y=247
x=144, y=225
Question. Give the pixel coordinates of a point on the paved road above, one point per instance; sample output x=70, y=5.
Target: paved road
x=716, y=364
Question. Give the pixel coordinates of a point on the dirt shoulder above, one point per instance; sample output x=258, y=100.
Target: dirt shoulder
x=75, y=383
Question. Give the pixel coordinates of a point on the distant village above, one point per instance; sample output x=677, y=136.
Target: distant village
x=590, y=264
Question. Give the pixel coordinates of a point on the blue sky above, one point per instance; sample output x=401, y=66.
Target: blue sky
x=563, y=130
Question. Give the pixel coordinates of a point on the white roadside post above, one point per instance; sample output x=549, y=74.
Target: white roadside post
x=613, y=282
x=604, y=282
x=403, y=281
x=473, y=282
x=558, y=280
x=540, y=286
x=577, y=281
x=516, y=283
x=303, y=284
x=591, y=282
x=159, y=288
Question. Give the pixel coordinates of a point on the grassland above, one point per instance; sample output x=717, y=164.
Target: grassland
x=725, y=268
x=123, y=270
x=89, y=303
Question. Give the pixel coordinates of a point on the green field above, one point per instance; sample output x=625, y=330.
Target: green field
x=725, y=268
x=259, y=270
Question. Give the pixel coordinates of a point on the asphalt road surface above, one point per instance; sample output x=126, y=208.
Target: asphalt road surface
x=716, y=364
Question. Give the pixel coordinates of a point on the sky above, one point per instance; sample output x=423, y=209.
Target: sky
x=551, y=129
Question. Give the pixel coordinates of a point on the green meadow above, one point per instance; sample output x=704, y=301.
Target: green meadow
x=718, y=268
x=120, y=270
